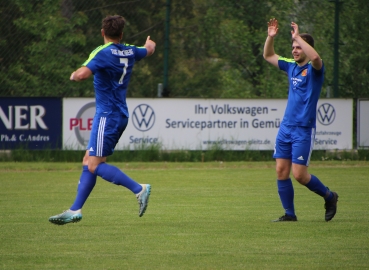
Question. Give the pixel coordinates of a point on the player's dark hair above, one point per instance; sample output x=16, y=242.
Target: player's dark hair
x=113, y=26
x=308, y=38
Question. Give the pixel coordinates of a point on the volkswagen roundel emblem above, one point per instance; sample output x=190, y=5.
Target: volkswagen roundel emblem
x=326, y=114
x=143, y=117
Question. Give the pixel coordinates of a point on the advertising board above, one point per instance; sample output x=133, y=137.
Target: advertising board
x=31, y=123
x=202, y=124
x=363, y=123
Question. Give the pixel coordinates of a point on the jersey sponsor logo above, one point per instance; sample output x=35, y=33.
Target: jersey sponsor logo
x=304, y=72
x=295, y=81
x=143, y=117
x=326, y=114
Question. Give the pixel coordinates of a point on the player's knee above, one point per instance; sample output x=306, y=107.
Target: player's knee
x=301, y=178
x=297, y=176
x=92, y=168
x=85, y=159
x=282, y=173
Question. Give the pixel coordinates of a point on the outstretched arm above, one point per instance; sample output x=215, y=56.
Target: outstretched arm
x=80, y=74
x=269, y=53
x=310, y=52
x=150, y=46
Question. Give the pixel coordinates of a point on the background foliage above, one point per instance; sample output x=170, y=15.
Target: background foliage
x=215, y=46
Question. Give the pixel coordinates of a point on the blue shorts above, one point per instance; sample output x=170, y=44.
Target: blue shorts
x=295, y=143
x=105, y=134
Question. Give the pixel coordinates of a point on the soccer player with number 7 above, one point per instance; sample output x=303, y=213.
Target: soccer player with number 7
x=111, y=64
x=296, y=135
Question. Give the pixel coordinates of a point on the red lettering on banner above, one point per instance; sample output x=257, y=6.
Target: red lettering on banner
x=73, y=122
x=78, y=122
x=81, y=125
x=89, y=123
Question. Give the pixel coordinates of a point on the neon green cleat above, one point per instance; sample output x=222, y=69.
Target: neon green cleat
x=67, y=216
x=143, y=199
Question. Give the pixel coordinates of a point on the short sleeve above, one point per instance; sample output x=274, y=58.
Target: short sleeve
x=319, y=72
x=284, y=63
x=96, y=62
x=141, y=52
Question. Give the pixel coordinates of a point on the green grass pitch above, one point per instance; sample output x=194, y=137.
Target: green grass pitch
x=201, y=216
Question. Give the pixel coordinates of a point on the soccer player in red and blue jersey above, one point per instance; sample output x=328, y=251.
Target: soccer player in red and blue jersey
x=111, y=64
x=295, y=139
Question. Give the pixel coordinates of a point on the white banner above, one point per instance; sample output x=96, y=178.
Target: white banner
x=202, y=124
x=363, y=123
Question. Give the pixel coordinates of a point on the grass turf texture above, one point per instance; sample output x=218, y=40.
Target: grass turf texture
x=201, y=216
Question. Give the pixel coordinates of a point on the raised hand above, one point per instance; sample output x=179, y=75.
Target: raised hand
x=272, y=27
x=295, y=30
x=150, y=46
x=150, y=43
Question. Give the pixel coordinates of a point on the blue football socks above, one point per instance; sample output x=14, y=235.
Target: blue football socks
x=112, y=174
x=286, y=194
x=316, y=186
x=86, y=184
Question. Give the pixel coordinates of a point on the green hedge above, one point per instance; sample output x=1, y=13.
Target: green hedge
x=157, y=155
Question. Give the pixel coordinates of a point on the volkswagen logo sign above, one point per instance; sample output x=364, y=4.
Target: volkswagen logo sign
x=326, y=114
x=143, y=117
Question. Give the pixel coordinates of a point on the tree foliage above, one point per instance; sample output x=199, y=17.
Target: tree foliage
x=215, y=50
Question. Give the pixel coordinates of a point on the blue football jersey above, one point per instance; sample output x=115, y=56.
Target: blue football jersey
x=305, y=84
x=112, y=66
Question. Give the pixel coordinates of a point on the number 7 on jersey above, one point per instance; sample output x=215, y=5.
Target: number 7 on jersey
x=125, y=62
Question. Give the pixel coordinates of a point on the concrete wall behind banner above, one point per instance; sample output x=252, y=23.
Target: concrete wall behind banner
x=30, y=123
x=200, y=124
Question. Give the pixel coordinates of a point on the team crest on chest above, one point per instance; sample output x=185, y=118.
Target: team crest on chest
x=304, y=72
